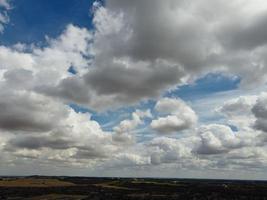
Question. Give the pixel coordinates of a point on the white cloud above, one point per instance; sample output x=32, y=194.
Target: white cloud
x=127, y=160
x=218, y=139
x=76, y=139
x=238, y=111
x=129, y=125
x=11, y=59
x=248, y=114
x=179, y=116
x=169, y=150
x=125, y=127
x=169, y=124
x=239, y=106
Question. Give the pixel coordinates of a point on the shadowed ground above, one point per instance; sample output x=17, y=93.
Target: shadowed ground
x=60, y=188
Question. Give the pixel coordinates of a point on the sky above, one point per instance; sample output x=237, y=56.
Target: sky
x=128, y=88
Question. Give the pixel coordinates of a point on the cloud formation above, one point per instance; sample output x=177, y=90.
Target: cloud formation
x=133, y=54
x=178, y=116
x=125, y=127
x=136, y=53
x=260, y=112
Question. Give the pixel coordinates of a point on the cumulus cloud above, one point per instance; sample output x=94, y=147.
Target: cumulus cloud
x=38, y=142
x=125, y=127
x=22, y=111
x=218, y=139
x=260, y=112
x=136, y=81
x=213, y=141
x=129, y=125
x=247, y=113
x=35, y=120
x=179, y=116
x=238, y=111
x=170, y=150
x=11, y=59
x=81, y=137
x=239, y=106
x=195, y=36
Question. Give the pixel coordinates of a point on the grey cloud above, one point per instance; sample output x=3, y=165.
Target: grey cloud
x=260, y=108
x=245, y=34
x=195, y=35
x=91, y=153
x=71, y=89
x=135, y=53
x=18, y=78
x=179, y=116
x=132, y=84
x=260, y=112
x=171, y=35
x=22, y=111
x=138, y=54
x=208, y=148
x=261, y=124
x=38, y=142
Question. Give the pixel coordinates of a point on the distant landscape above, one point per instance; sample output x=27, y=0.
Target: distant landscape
x=99, y=96
x=55, y=188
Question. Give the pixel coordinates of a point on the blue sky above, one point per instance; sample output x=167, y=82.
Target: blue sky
x=114, y=80
x=31, y=21
x=202, y=88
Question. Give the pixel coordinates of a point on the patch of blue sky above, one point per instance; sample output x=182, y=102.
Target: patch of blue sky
x=233, y=128
x=111, y=118
x=206, y=94
x=107, y=119
x=32, y=20
x=72, y=70
x=209, y=84
x=80, y=109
